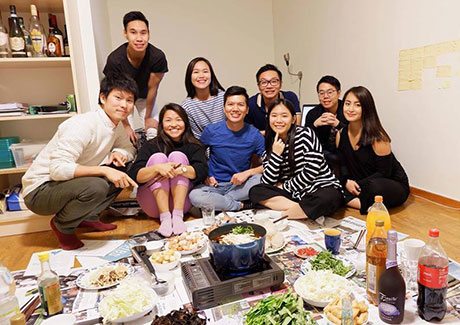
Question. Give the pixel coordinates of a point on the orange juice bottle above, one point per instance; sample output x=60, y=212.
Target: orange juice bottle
x=377, y=211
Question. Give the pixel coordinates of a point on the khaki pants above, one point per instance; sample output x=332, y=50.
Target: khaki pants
x=72, y=201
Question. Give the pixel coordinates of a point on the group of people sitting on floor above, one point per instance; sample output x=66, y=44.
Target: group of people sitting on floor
x=221, y=147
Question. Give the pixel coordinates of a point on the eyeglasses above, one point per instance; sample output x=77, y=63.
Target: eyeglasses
x=329, y=93
x=264, y=83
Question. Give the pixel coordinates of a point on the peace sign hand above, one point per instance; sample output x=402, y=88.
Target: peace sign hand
x=278, y=145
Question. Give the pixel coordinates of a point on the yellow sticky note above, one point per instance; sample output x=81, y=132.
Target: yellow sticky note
x=404, y=64
x=416, y=53
x=447, y=47
x=416, y=65
x=445, y=84
x=429, y=50
x=429, y=62
x=456, y=45
x=443, y=71
x=404, y=55
x=403, y=85
x=416, y=84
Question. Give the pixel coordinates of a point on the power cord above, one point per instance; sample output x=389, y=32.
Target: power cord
x=298, y=74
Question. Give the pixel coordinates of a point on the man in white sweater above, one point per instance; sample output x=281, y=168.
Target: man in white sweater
x=81, y=170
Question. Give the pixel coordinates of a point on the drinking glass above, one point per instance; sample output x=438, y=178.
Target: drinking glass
x=332, y=240
x=208, y=214
x=411, y=252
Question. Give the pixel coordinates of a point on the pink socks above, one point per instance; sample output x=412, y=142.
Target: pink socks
x=67, y=241
x=99, y=226
x=166, y=224
x=178, y=221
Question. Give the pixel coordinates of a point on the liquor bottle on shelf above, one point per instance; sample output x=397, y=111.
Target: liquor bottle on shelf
x=66, y=42
x=392, y=287
x=27, y=38
x=36, y=33
x=376, y=256
x=45, y=45
x=57, y=31
x=3, y=39
x=53, y=43
x=17, y=44
x=433, y=269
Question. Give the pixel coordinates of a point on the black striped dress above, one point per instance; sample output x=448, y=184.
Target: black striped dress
x=311, y=171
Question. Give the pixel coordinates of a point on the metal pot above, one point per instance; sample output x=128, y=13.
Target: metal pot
x=237, y=258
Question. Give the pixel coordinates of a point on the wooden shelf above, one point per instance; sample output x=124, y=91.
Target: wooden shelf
x=35, y=117
x=42, y=5
x=9, y=171
x=45, y=62
x=22, y=222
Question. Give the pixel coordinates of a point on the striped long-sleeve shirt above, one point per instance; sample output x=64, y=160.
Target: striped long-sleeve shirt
x=311, y=171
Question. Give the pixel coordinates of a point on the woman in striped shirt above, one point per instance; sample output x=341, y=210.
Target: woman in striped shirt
x=296, y=178
x=205, y=96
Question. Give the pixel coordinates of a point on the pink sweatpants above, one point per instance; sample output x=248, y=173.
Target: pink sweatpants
x=144, y=193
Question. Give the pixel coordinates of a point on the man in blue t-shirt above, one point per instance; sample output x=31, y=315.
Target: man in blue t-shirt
x=232, y=143
x=269, y=80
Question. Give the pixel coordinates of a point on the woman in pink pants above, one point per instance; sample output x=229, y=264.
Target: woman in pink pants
x=167, y=167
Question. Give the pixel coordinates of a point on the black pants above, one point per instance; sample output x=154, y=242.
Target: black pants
x=324, y=202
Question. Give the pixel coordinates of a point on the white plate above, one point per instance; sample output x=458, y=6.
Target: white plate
x=202, y=243
x=315, y=303
x=273, y=250
x=82, y=280
x=133, y=316
x=306, y=266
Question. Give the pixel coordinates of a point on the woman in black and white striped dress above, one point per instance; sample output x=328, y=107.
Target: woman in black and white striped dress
x=296, y=178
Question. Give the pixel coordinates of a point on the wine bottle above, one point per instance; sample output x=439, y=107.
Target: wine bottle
x=36, y=32
x=66, y=42
x=17, y=44
x=54, y=46
x=57, y=31
x=3, y=39
x=27, y=38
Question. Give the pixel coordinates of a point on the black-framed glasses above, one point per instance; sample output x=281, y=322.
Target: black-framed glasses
x=264, y=83
x=329, y=93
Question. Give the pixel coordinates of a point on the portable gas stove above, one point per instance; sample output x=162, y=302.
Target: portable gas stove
x=207, y=286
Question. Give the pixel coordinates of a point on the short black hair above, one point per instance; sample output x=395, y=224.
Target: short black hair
x=119, y=81
x=134, y=15
x=269, y=67
x=235, y=91
x=330, y=80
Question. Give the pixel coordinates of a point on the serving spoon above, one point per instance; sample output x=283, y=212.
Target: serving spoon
x=140, y=255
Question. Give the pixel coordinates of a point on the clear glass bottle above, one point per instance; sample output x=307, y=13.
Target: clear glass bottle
x=36, y=33
x=48, y=287
x=9, y=305
x=392, y=287
x=376, y=256
x=3, y=39
x=27, y=38
x=17, y=43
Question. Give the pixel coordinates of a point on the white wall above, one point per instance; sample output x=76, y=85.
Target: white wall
x=236, y=36
x=359, y=43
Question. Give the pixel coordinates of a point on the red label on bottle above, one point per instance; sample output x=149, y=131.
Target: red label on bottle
x=431, y=277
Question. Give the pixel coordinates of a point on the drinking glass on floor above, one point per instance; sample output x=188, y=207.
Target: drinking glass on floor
x=411, y=252
x=208, y=214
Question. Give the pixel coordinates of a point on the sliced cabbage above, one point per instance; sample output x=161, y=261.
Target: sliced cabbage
x=322, y=285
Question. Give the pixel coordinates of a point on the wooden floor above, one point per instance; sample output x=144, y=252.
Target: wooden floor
x=414, y=218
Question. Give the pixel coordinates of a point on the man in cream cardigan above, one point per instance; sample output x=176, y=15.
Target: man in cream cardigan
x=81, y=170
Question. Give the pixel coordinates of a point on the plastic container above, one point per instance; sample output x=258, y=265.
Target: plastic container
x=377, y=211
x=6, y=156
x=24, y=153
x=9, y=305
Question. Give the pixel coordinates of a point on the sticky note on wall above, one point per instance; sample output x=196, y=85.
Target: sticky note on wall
x=443, y=71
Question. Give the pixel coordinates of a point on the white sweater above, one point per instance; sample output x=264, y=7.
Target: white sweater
x=85, y=139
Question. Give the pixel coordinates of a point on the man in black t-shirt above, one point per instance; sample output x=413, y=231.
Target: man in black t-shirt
x=145, y=63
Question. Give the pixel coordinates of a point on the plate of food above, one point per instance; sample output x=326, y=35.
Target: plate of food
x=131, y=300
x=104, y=276
x=319, y=288
x=333, y=311
x=307, y=251
x=326, y=261
x=187, y=242
x=274, y=242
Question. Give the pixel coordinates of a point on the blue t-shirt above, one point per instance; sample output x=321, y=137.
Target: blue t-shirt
x=257, y=115
x=231, y=152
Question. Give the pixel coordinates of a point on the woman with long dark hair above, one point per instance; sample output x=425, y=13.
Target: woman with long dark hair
x=369, y=167
x=296, y=178
x=167, y=167
x=205, y=96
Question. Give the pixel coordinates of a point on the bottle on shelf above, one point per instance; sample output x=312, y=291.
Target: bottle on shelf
x=433, y=269
x=45, y=45
x=392, y=287
x=3, y=39
x=9, y=305
x=376, y=256
x=377, y=211
x=66, y=42
x=27, y=38
x=53, y=43
x=48, y=287
x=17, y=43
x=36, y=33
x=57, y=31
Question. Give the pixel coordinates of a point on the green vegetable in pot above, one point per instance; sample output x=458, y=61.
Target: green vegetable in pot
x=241, y=230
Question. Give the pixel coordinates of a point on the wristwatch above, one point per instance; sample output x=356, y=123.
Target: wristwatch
x=184, y=169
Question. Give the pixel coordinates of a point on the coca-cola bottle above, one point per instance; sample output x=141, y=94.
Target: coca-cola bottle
x=433, y=268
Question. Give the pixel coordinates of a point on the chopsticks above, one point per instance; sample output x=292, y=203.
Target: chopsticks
x=360, y=237
x=281, y=218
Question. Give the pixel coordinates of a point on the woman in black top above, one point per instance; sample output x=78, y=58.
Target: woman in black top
x=296, y=178
x=369, y=167
x=167, y=167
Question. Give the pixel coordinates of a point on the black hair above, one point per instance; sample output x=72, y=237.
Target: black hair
x=118, y=81
x=269, y=67
x=330, y=80
x=214, y=85
x=372, y=128
x=235, y=91
x=134, y=15
x=162, y=141
x=270, y=134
